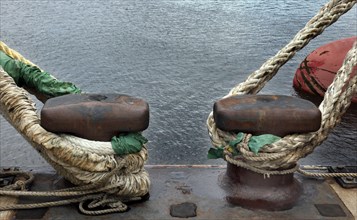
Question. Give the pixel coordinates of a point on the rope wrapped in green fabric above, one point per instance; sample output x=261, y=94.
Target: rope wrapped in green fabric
x=254, y=144
x=128, y=144
x=45, y=83
x=33, y=77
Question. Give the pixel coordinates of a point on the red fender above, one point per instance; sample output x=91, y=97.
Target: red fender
x=318, y=69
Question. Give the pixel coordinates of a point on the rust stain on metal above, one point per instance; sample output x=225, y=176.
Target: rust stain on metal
x=184, y=188
x=266, y=114
x=95, y=116
x=254, y=191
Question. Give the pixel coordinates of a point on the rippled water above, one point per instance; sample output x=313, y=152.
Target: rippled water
x=180, y=56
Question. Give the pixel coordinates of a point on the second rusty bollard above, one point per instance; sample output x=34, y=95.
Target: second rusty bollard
x=263, y=114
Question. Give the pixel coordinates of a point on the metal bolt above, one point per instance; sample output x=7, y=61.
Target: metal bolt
x=349, y=178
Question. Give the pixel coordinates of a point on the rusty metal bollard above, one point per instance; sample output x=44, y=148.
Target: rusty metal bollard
x=254, y=191
x=263, y=114
x=95, y=116
x=266, y=114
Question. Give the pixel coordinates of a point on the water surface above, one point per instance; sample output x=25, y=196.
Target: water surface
x=180, y=56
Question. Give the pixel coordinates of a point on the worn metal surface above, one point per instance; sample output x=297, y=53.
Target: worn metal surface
x=95, y=116
x=254, y=191
x=345, y=182
x=266, y=114
x=172, y=185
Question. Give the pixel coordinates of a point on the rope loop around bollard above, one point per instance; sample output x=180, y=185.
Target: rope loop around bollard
x=285, y=153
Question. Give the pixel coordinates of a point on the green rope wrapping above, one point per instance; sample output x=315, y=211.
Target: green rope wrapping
x=128, y=143
x=46, y=84
x=33, y=77
x=254, y=144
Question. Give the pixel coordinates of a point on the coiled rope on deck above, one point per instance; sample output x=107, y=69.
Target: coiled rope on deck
x=90, y=164
x=284, y=153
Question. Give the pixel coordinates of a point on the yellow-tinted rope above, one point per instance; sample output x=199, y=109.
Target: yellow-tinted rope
x=14, y=54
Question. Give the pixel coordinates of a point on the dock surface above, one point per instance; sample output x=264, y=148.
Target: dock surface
x=197, y=187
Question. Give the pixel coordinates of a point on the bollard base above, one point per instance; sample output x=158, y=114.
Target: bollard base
x=251, y=190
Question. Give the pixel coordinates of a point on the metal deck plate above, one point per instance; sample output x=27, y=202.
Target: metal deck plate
x=173, y=185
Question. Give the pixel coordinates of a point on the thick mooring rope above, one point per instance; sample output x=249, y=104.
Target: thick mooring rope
x=83, y=162
x=98, y=194
x=14, y=54
x=285, y=153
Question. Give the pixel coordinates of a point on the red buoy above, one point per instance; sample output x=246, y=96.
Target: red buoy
x=318, y=69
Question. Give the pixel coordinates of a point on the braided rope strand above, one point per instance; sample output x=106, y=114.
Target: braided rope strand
x=91, y=164
x=14, y=54
x=287, y=151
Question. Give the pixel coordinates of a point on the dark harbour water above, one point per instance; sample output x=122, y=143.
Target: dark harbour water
x=180, y=56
